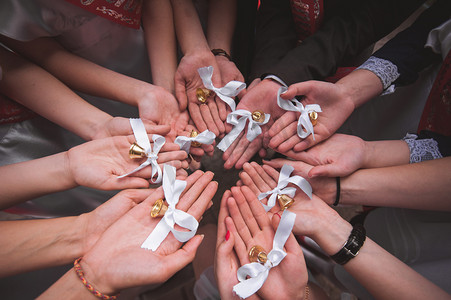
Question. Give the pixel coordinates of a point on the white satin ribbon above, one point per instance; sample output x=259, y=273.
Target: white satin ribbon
x=253, y=129
x=172, y=188
x=142, y=139
x=206, y=137
x=281, y=189
x=225, y=93
x=258, y=272
x=304, y=119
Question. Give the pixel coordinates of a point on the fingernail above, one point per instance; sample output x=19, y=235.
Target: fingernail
x=227, y=237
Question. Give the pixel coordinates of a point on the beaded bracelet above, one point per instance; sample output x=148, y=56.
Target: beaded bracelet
x=81, y=275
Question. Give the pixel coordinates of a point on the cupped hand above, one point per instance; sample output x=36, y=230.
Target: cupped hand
x=251, y=226
x=98, y=163
x=117, y=260
x=261, y=97
x=212, y=114
x=335, y=106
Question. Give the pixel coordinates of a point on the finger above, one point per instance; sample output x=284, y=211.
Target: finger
x=259, y=213
x=196, y=116
x=251, y=150
x=195, y=191
x=262, y=152
x=157, y=129
x=305, y=144
x=272, y=172
x=239, y=245
x=191, y=179
x=232, y=147
x=261, y=184
x=268, y=179
x=282, y=122
x=208, y=118
x=223, y=213
x=243, y=232
x=284, y=136
x=127, y=183
x=215, y=115
x=249, y=182
x=278, y=163
x=329, y=170
x=170, y=156
x=239, y=183
x=201, y=204
x=240, y=148
x=180, y=91
x=136, y=196
x=245, y=211
x=223, y=109
x=181, y=173
x=301, y=88
x=182, y=257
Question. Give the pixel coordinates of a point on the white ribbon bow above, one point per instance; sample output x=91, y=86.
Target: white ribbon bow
x=304, y=119
x=143, y=141
x=172, y=188
x=258, y=272
x=281, y=189
x=207, y=137
x=225, y=93
x=253, y=129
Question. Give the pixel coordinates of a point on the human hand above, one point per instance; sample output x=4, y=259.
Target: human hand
x=213, y=114
x=98, y=163
x=158, y=106
x=262, y=97
x=335, y=106
x=117, y=261
x=251, y=226
x=324, y=187
x=118, y=126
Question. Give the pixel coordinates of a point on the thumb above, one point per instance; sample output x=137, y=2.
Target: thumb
x=329, y=170
x=183, y=256
x=301, y=88
x=180, y=92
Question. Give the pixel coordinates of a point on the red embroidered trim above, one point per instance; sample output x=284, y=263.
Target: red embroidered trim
x=124, y=12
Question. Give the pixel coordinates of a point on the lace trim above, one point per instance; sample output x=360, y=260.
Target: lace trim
x=384, y=69
x=422, y=150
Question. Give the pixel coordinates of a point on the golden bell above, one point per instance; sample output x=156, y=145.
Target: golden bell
x=258, y=116
x=203, y=94
x=313, y=115
x=194, y=143
x=136, y=151
x=158, y=209
x=258, y=254
x=285, y=201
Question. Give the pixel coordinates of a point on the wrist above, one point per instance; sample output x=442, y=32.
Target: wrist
x=332, y=233
x=66, y=174
x=95, y=277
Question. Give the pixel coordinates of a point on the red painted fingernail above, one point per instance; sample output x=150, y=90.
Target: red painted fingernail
x=227, y=235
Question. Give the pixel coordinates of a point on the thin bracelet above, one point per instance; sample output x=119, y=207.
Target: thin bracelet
x=337, y=197
x=221, y=52
x=81, y=275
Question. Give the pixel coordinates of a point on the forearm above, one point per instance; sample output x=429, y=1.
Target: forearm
x=30, y=179
x=360, y=86
x=422, y=185
x=386, y=154
x=374, y=267
x=69, y=286
x=38, y=90
x=188, y=28
x=159, y=34
x=78, y=73
x=35, y=244
x=221, y=24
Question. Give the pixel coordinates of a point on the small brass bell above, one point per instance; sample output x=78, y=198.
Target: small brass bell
x=203, y=94
x=136, y=151
x=313, y=115
x=258, y=116
x=258, y=254
x=194, y=143
x=158, y=209
x=285, y=201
